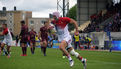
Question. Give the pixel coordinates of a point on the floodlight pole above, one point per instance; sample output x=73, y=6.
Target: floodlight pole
x=64, y=7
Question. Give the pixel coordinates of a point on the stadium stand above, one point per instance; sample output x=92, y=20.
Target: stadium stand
x=106, y=20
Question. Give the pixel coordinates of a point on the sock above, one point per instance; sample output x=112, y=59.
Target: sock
x=31, y=50
x=69, y=58
x=81, y=58
x=23, y=50
x=44, y=50
x=5, y=52
x=8, y=52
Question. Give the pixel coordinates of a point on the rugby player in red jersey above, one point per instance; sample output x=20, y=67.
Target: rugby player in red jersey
x=64, y=37
x=24, y=38
x=7, y=39
x=32, y=35
x=44, y=36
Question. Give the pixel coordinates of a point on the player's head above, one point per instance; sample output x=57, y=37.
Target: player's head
x=32, y=28
x=22, y=22
x=46, y=23
x=4, y=26
x=56, y=15
x=76, y=33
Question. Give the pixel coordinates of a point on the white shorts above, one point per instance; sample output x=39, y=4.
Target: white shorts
x=68, y=39
x=7, y=42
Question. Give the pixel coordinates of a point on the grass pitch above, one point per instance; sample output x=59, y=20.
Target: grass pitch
x=54, y=60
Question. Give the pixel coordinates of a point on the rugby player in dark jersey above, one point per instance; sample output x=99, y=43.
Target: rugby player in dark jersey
x=44, y=36
x=32, y=35
x=24, y=38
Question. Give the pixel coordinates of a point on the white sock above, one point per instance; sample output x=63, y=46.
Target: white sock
x=83, y=59
x=69, y=58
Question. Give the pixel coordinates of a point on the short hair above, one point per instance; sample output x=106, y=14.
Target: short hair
x=23, y=22
x=45, y=22
x=5, y=25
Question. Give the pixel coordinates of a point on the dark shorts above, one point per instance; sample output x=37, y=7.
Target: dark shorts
x=44, y=39
x=32, y=41
x=25, y=42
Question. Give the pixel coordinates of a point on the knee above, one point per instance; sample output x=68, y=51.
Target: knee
x=22, y=45
x=2, y=45
x=61, y=47
x=45, y=43
x=72, y=52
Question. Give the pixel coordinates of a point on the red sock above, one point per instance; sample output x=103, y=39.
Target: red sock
x=81, y=58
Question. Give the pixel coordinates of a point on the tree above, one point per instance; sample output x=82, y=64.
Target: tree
x=72, y=14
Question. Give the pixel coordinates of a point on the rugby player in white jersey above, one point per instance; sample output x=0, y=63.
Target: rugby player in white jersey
x=7, y=39
x=64, y=37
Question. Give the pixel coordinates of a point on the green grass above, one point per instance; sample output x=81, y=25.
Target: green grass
x=54, y=60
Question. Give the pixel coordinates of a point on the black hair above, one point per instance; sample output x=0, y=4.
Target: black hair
x=23, y=22
x=44, y=22
x=5, y=25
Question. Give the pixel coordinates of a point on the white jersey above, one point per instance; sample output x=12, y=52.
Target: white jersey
x=62, y=32
x=7, y=37
x=61, y=26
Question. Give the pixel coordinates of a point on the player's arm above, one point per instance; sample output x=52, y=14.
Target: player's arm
x=4, y=32
x=20, y=35
x=39, y=35
x=75, y=24
x=1, y=33
x=29, y=35
x=49, y=24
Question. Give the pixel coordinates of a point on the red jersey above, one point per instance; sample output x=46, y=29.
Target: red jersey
x=44, y=32
x=32, y=35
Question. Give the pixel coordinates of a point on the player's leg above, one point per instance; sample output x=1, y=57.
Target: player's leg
x=3, y=44
x=31, y=47
x=75, y=45
x=22, y=47
x=76, y=54
x=8, y=50
x=89, y=43
x=62, y=47
x=44, y=47
x=25, y=49
x=2, y=48
x=78, y=46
